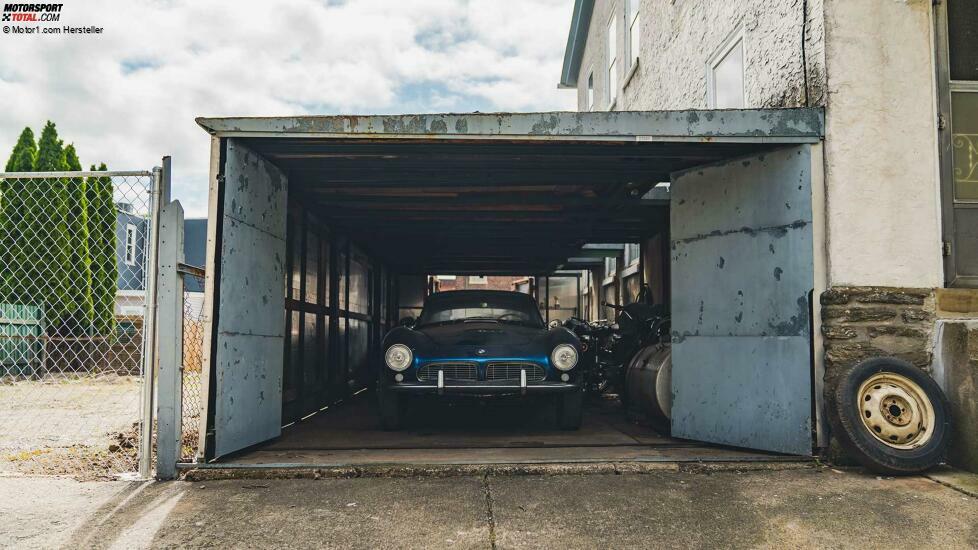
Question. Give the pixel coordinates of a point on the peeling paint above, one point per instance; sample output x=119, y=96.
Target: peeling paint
x=760, y=123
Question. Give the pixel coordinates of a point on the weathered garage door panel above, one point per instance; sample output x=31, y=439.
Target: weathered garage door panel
x=757, y=295
x=749, y=399
x=251, y=302
x=742, y=273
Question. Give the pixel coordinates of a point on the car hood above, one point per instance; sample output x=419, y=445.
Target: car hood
x=497, y=339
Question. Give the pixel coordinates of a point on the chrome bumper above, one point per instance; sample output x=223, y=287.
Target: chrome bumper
x=482, y=386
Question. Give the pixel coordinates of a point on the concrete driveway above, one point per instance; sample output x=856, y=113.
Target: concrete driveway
x=798, y=507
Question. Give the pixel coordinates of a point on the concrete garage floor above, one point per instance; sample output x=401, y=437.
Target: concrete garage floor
x=476, y=432
x=790, y=506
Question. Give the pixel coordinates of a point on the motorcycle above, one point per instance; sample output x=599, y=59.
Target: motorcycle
x=631, y=357
x=602, y=373
x=610, y=347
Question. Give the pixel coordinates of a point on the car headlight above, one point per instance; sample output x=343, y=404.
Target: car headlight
x=564, y=357
x=398, y=357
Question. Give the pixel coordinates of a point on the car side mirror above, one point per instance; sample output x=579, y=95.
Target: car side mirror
x=407, y=322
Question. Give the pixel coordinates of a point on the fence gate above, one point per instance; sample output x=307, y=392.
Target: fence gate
x=76, y=281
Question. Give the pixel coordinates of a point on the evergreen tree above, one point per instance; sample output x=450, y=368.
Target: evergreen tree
x=46, y=231
x=78, y=271
x=22, y=157
x=101, y=246
x=14, y=246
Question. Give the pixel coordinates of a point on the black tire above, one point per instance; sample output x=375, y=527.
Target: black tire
x=393, y=409
x=570, y=410
x=846, y=411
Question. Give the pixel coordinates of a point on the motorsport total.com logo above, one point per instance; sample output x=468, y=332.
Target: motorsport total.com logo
x=32, y=13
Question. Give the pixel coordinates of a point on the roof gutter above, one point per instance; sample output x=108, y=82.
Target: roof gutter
x=576, y=39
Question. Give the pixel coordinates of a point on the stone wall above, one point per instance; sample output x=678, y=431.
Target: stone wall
x=863, y=322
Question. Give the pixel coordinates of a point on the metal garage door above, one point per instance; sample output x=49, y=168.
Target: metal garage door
x=742, y=276
x=250, y=333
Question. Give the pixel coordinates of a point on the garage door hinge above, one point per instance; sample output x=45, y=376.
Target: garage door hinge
x=946, y=248
x=941, y=121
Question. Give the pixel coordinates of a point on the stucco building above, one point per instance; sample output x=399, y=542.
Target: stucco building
x=899, y=85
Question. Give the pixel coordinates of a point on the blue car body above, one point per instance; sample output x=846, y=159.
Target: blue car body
x=481, y=355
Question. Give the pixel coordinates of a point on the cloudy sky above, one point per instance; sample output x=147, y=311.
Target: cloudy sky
x=130, y=95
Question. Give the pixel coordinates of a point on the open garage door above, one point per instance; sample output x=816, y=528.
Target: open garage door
x=317, y=219
x=248, y=331
x=743, y=274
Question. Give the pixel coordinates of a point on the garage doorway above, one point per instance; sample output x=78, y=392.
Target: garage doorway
x=356, y=213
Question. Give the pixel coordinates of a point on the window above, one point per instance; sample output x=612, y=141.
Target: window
x=590, y=92
x=477, y=280
x=130, y=244
x=631, y=254
x=725, y=75
x=612, y=61
x=610, y=267
x=634, y=32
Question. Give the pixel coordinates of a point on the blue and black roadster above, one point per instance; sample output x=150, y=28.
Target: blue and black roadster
x=481, y=343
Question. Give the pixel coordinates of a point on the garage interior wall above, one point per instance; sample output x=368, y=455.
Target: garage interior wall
x=339, y=303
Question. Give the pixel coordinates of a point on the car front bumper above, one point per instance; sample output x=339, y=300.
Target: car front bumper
x=483, y=387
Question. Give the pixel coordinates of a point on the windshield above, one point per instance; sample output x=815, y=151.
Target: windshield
x=501, y=308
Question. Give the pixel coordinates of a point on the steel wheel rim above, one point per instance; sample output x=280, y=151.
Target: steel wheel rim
x=896, y=411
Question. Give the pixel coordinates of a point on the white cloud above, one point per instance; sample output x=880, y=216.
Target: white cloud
x=130, y=95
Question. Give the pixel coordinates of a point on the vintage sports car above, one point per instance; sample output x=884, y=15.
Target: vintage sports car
x=482, y=343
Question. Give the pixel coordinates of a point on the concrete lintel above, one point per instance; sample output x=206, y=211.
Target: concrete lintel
x=697, y=125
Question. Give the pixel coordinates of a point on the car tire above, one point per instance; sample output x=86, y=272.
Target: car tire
x=393, y=408
x=890, y=416
x=570, y=410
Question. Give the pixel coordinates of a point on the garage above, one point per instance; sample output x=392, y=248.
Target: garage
x=326, y=231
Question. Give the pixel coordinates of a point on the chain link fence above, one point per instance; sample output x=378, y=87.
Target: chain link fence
x=74, y=265
x=193, y=357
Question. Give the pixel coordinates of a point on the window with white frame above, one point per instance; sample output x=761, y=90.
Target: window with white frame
x=725, y=74
x=478, y=280
x=130, y=244
x=589, y=98
x=610, y=267
x=632, y=28
x=612, y=61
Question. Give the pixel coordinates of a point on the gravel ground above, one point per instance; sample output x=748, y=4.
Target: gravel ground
x=84, y=427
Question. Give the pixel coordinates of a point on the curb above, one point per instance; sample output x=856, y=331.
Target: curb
x=218, y=472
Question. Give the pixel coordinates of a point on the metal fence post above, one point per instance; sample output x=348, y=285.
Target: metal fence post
x=169, y=329
x=159, y=194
